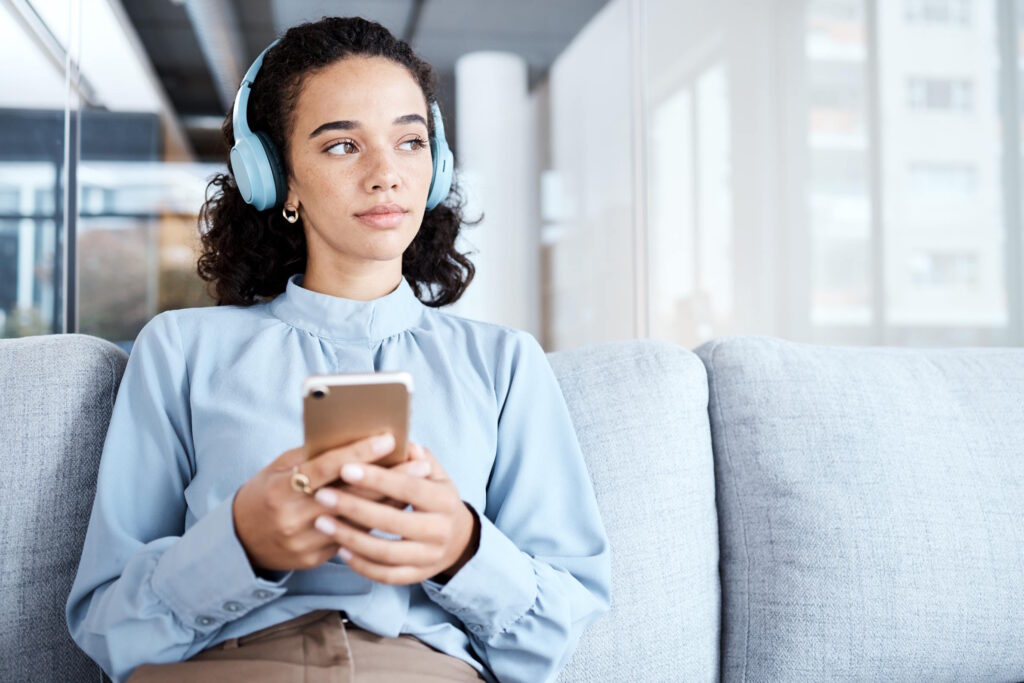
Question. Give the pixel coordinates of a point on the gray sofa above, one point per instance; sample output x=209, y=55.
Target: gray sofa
x=777, y=511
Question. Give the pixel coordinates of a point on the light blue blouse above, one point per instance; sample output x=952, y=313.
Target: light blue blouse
x=211, y=395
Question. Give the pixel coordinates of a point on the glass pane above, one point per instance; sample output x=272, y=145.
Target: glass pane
x=676, y=312
x=714, y=187
x=32, y=101
x=139, y=193
x=691, y=258
x=592, y=262
x=838, y=191
x=941, y=146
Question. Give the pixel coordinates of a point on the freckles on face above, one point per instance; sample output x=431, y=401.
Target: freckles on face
x=359, y=139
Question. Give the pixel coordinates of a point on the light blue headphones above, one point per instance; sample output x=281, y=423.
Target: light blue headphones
x=257, y=167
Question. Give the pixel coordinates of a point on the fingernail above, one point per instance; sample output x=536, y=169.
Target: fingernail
x=420, y=468
x=326, y=497
x=385, y=443
x=325, y=524
x=351, y=472
x=344, y=554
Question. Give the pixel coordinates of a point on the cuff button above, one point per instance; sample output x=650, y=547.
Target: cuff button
x=263, y=594
x=204, y=620
x=232, y=606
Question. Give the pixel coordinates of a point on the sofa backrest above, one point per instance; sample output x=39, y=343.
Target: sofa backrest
x=640, y=411
x=56, y=394
x=871, y=511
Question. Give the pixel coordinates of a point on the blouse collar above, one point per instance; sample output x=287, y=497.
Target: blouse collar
x=338, y=318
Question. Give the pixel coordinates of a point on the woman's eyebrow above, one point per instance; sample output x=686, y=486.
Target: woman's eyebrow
x=349, y=125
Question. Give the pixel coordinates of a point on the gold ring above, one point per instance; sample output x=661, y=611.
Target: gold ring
x=300, y=482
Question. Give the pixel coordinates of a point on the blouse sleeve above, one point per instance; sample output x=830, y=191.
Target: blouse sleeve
x=542, y=571
x=147, y=591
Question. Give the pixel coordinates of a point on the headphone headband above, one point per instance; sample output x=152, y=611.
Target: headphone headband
x=238, y=119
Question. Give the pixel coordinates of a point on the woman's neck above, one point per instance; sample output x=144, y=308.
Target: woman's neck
x=368, y=284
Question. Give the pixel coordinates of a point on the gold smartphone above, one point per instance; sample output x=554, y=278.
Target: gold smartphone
x=343, y=408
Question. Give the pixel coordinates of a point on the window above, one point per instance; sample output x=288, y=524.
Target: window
x=940, y=94
x=137, y=184
x=943, y=269
x=943, y=179
x=954, y=12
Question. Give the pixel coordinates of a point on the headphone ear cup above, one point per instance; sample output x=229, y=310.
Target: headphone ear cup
x=276, y=168
x=441, y=179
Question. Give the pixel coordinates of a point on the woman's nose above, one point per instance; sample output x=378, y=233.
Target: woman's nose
x=382, y=173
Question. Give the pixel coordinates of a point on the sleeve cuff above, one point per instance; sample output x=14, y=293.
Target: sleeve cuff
x=470, y=594
x=206, y=577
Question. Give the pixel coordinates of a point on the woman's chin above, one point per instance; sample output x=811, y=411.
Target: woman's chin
x=387, y=243
x=384, y=252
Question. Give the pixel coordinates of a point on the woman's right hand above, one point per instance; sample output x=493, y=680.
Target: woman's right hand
x=274, y=522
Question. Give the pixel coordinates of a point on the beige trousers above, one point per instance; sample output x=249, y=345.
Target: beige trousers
x=319, y=647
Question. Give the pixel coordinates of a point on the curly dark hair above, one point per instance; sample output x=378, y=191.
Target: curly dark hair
x=247, y=254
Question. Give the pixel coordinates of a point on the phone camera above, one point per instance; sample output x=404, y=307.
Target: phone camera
x=319, y=393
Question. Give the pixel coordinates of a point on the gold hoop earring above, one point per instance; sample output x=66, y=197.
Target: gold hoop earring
x=292, y=217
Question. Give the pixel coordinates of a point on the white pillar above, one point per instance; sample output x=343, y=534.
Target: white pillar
x=494, y=142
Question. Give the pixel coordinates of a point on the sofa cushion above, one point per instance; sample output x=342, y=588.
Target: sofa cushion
x=640, y=411
x=56, y=394
x=871, y=507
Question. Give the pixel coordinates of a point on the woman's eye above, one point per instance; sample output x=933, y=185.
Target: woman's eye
x=342, y=145
x=418, y=143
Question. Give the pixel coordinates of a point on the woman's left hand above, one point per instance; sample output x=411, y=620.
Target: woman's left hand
x=438, y=536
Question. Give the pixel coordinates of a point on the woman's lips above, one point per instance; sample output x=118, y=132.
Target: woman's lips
x=382, y=220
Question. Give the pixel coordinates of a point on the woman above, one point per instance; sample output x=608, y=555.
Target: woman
x=215, y=550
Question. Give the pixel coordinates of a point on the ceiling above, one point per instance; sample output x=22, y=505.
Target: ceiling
x=200, y=48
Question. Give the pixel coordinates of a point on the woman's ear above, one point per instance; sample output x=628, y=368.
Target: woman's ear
x=291, y=200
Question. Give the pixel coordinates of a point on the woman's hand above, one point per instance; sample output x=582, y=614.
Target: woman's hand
x=439, y=535
x=274, y=522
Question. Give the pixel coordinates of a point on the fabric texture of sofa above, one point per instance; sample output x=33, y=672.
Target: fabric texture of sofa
x=777, y=511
